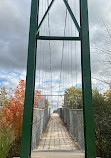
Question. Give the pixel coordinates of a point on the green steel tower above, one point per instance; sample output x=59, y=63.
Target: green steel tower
x=83, y=29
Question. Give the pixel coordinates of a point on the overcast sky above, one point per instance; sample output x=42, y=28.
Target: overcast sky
x=14, y=30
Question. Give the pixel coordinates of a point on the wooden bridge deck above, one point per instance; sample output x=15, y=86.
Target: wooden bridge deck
x=56, y=136
x=56, y=141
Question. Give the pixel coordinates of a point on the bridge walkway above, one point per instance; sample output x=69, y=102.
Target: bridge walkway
x=56, y=141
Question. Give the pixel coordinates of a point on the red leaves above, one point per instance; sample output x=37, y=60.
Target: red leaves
x=13, y=113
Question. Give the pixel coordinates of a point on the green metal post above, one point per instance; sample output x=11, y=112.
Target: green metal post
x=30, y=84
x=89, y=130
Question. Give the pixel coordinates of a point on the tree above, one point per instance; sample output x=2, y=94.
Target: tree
x=39, y=97
x=12, y=113
x=102, y=52
x=11, y=118
x=74, y=97
x=4, y=101
x=102, y=114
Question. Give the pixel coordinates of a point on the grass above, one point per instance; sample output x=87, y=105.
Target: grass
x=6, y=139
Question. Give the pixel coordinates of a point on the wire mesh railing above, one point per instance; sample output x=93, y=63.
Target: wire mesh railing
x=73, y=119
x=40, y=120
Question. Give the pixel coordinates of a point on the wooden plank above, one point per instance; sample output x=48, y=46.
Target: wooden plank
x=57, y=155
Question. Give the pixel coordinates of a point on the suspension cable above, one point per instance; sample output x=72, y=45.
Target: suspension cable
x=50, y=48
x=63, y=49
x=62, y=54
x=40, y=50
x=76, y=62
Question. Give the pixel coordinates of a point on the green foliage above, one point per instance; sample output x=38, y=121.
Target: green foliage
x=6, y=138
x=102, y=114
x=74, y=97
x=46, y=103
x=4, y=101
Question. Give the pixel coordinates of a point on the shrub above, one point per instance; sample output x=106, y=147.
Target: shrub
x=11, y=115
x=102, y=114
x=6, y=138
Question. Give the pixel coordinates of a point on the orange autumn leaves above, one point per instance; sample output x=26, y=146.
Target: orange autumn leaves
x=12, y=114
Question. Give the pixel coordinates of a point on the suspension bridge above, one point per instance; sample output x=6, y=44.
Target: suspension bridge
x=62, y=59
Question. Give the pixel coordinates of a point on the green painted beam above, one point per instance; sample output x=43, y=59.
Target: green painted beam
x=30, y=84
x=47, y=11
x=89, y=130
x=72, y=15
x=58, y=38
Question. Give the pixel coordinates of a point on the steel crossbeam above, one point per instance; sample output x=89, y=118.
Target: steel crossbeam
x=58, y=38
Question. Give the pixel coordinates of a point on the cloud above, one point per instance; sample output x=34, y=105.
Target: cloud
x=14, y=32
x=10, y=79
x=14, y=23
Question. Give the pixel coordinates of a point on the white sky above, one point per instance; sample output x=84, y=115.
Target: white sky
x=14, y=30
